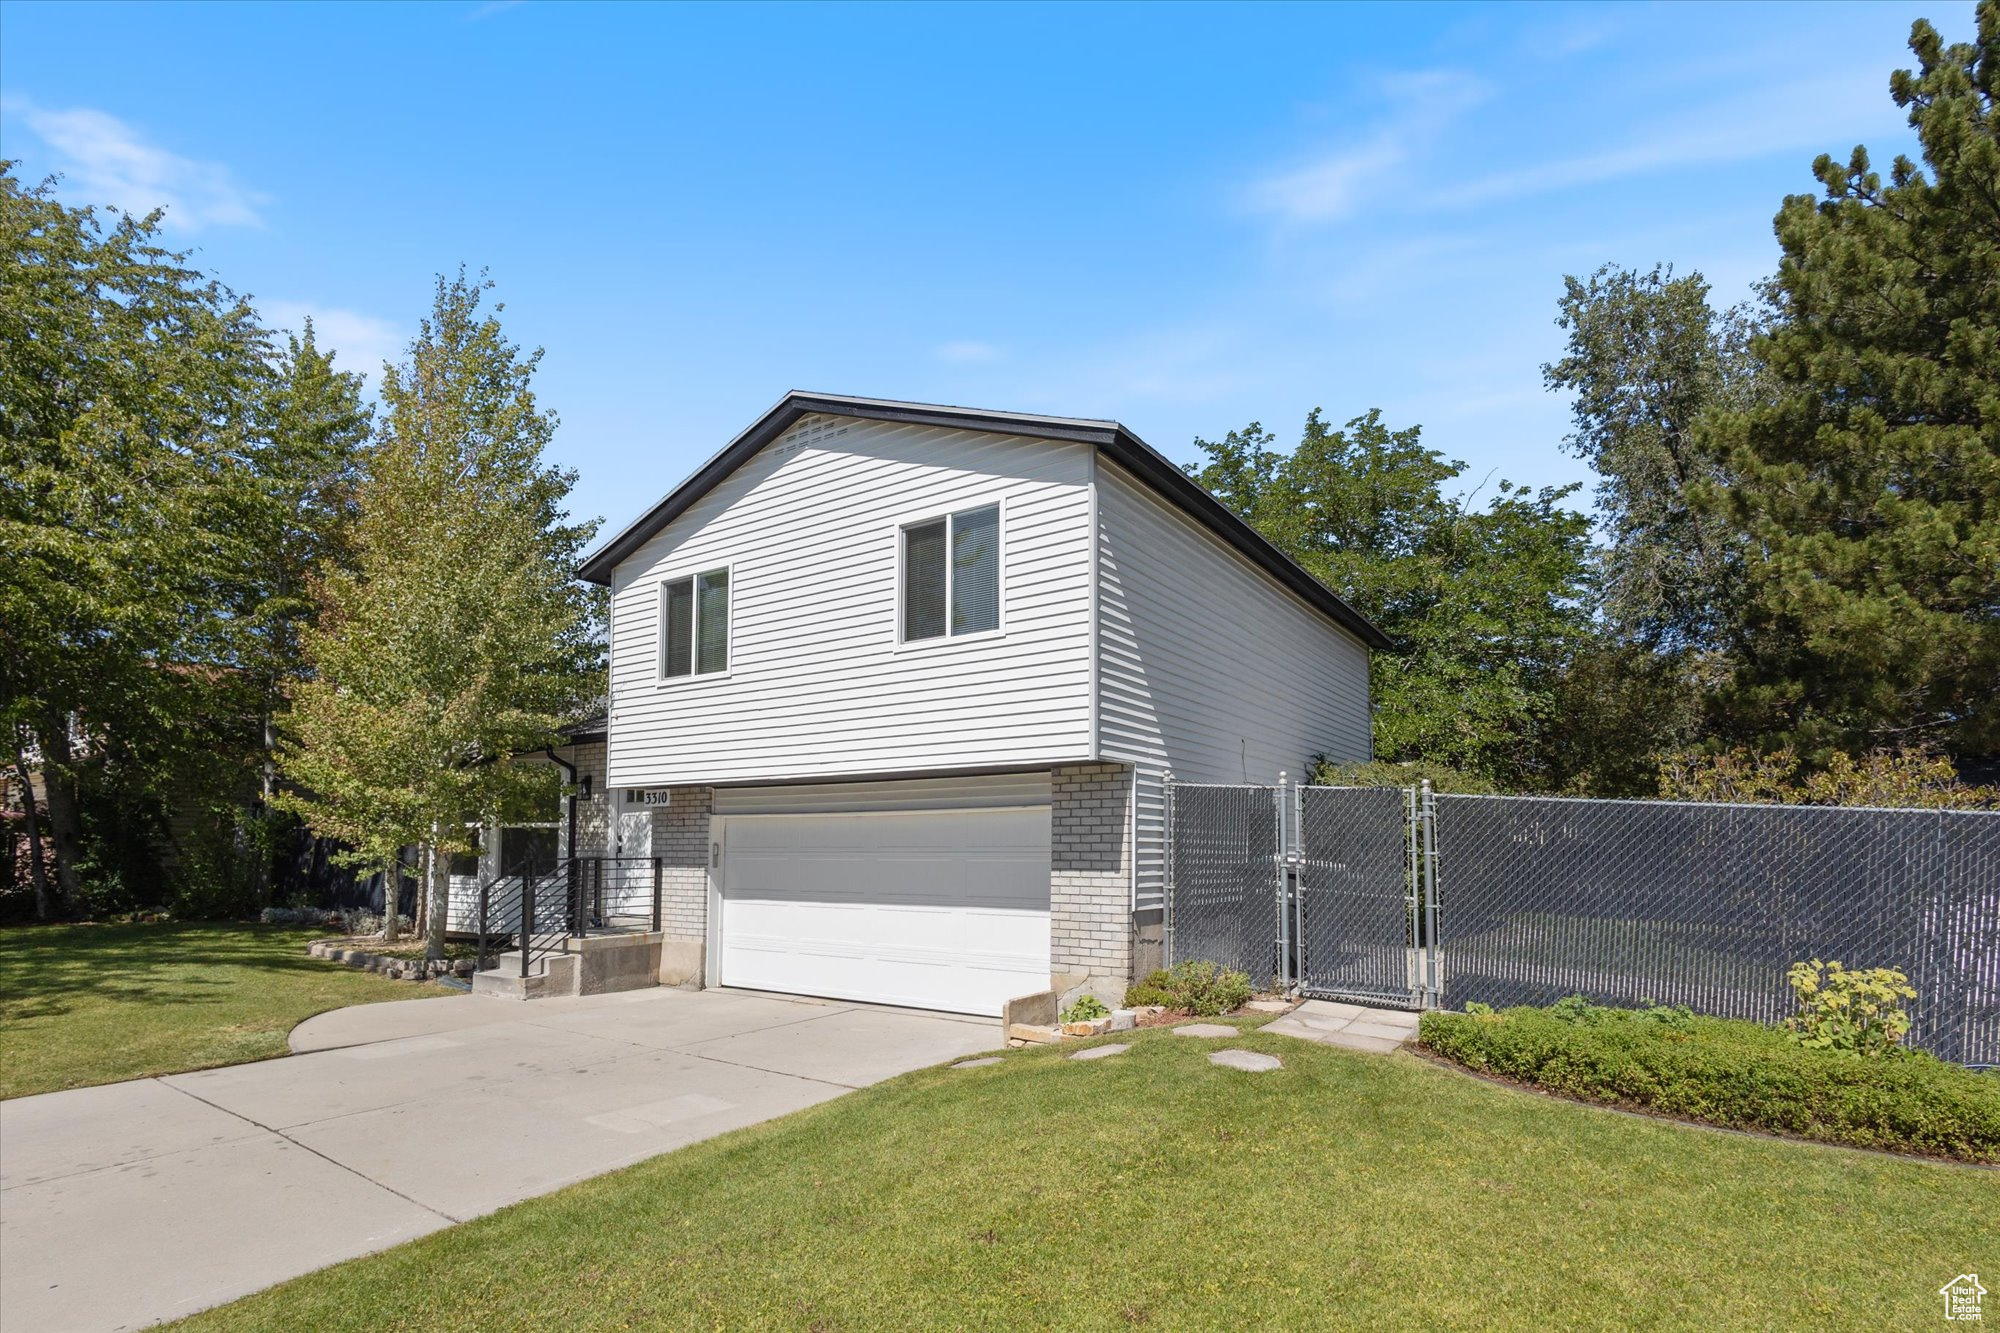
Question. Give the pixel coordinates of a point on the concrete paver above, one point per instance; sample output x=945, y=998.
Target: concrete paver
x=1102, y=1052
x=1250, y=1062
x=1204, y=1030
x=136, y=1202
x=1356, y=1027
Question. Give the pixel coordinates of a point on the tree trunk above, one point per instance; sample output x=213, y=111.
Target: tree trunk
x=392, y=889
x=59, y=788
x=437, y=888
x=38, y=868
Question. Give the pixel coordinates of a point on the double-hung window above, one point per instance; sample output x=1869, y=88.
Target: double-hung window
x=694, y=625
x=951, y=575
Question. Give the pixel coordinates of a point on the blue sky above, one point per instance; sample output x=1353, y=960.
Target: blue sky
x=1182, y=217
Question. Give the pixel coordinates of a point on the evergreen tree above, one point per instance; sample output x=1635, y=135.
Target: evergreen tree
x=459, y=638
x=1868, y=489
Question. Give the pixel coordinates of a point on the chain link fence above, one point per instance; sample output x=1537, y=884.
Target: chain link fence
x=1356, y=906
x=1225, y=877
x=1632, y=902
x=1409, y=899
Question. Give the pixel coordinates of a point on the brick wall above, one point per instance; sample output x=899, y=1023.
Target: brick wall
x=1090, y=881
x=680, y=840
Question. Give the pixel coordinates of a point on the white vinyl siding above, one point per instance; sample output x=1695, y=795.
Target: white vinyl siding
x=984, y=791
x=1207, y=667
x=819, y=680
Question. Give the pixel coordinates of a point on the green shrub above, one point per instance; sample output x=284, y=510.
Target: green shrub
x=1849, y=1009
x=1730, y=1072
x=1195, y=986
x=1086, y=1009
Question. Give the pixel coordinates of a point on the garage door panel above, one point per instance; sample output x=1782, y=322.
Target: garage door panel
x=940, y=909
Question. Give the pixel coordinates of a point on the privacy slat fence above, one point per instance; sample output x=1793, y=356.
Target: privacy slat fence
x=1399, y=896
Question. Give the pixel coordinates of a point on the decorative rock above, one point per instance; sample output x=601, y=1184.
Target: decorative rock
x=1099, y=1052
x=1205, y=1030
x=1250, y=1062
x=1029, y=1032
x=1124, y=1020
x=977, y=1064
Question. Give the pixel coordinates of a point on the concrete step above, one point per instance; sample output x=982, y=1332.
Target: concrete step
x=554, y=974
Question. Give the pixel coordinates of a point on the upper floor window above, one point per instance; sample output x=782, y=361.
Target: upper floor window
x=951, y=574
x=694, y=624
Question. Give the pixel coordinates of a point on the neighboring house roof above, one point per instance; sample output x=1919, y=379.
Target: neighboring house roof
x=1131, y=452
x=596, y=727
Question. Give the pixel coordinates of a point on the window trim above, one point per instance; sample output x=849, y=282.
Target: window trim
x=900, y=644
x=660, y=677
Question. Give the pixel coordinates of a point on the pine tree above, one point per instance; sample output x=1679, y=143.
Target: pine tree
x=1869, y=488
x=459, y=638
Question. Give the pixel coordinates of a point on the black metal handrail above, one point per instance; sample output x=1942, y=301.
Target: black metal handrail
x=526, y=894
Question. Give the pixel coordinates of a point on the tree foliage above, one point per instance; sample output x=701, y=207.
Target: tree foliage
x=1867, y=491
x=1649, y=360
x=459, y=638
x=124, y=376
x=1486, y=605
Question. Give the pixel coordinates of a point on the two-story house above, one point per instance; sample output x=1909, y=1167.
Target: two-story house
x=894, y=689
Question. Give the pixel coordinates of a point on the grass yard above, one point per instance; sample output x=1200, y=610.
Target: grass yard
x=85, y=1004
x=1154, y=1190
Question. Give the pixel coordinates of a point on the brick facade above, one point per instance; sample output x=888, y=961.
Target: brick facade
x=1090, y=881
x=681, y=841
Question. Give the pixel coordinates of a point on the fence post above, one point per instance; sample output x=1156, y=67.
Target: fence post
x=656, y=895
x=1299, y=882
x=1167, y=876
x=1434, y=991
x=1281, y=863
x=1415, y=897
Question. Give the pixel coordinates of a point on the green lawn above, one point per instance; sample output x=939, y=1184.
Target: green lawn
x=94, y=1004
x=1154, y=1190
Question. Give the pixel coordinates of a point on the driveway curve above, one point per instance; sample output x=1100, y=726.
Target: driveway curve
x=132, y=1203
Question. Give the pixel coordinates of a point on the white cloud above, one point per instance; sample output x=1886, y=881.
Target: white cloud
x=1788, y=117
x=363, y=341
x=1335, y=185
x=968, y=353
x=110, y=162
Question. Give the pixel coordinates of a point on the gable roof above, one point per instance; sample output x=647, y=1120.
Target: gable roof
x=1125, y=448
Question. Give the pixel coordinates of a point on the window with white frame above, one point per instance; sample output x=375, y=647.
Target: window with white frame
x=951, y=575
x=694, y=624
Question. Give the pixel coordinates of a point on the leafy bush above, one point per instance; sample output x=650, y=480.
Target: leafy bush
x=1194, y=986
x=1849, y=1009
x=1086, y=1009
x=1731, y=1072
x=359, y=921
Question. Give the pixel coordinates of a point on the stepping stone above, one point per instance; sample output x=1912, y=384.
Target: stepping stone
x=977, y=1064
x=1250, y=1062
x=1205, y=1030
x=1099, y=1052
x=1268, y=1006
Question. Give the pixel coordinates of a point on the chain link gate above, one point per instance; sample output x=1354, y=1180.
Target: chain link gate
x=1361, y=935
x=1226, y=877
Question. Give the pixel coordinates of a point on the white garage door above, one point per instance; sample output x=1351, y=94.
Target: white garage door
x=939, y=909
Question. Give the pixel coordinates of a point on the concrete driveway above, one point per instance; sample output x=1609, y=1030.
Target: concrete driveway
x=136, y=1202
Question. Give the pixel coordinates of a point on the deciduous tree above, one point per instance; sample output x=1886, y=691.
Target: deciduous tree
x=459, y=638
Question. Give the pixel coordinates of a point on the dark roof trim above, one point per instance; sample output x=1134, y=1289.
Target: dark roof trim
x=1125, y=448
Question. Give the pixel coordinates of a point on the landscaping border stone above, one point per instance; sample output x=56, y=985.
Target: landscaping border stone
x=389, y=965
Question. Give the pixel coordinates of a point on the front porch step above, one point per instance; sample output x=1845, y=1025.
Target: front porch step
x=593, y=965
x=553, y=974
